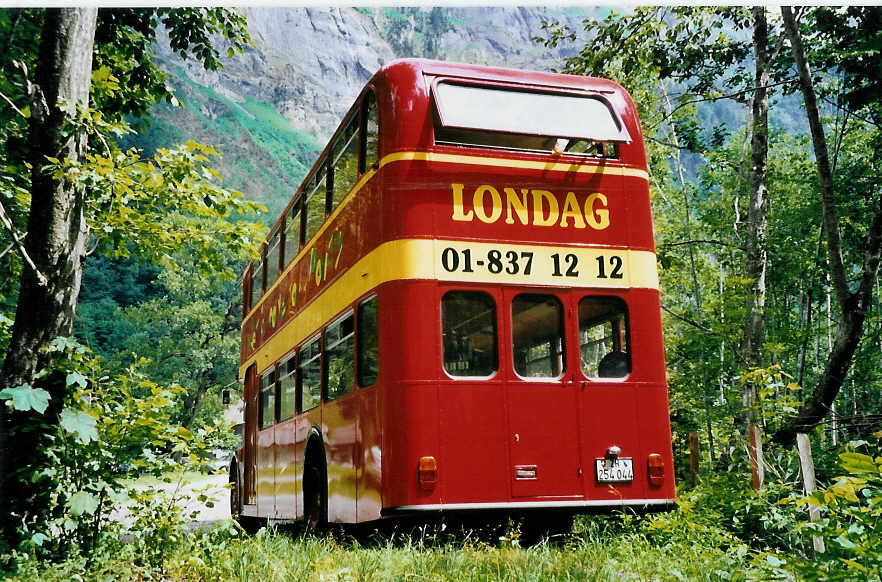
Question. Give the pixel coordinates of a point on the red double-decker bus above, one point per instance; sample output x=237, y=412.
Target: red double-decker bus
x=458, y=311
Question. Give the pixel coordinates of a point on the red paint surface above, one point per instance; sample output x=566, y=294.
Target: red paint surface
x=374, y=437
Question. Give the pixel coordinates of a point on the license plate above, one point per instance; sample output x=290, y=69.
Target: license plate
x=621, y=471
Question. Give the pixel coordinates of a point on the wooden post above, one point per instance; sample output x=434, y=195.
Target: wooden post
x=756, y=455
x=807, y=468
x=693, y=457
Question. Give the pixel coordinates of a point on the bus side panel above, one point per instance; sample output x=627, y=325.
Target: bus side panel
x=339, y=420
x=266, y=470
x=369, y=450
x=409, y=338
x=285, y=478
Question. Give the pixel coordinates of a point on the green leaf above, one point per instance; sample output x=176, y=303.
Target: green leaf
x=858, y=463
x=77, y=378
x=25, y=398
x=39, y=539
x=83, y=502
x=79, y=424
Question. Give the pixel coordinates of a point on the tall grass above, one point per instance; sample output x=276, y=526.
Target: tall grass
x=594, y=552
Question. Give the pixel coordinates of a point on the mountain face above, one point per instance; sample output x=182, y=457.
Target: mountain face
x=271, y=109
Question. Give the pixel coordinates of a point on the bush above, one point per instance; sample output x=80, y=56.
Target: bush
x=850, y=524
x=107, y=428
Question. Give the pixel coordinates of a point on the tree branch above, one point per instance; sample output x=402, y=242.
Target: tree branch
x=703, y=241
x=7, y=223
x=11, y=104
x=684, y=319
x=851, y=113
x=822, y=160
x=670, y=113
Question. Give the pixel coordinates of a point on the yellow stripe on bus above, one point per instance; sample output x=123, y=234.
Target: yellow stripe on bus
x=512, y=163
x=430, y=259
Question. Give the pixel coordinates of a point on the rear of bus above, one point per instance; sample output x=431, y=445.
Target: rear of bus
x=523, y=357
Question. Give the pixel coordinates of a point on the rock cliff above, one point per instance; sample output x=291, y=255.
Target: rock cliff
x=271, y=109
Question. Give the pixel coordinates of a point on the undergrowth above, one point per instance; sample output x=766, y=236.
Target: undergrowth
x=596, y=550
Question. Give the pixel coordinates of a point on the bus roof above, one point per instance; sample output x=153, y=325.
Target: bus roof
x=488, y=73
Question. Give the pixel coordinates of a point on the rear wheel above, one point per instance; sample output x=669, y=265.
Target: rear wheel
x=315, y=494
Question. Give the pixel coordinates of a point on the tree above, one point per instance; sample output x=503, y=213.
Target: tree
x=853, y=304
x=56, y=238
x=189, y=334
x=74, y=189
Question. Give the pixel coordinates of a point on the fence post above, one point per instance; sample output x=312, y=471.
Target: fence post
x=807, y=468
x=693, y=457
x=756, y=455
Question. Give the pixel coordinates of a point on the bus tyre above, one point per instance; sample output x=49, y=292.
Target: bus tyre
x=315, y=496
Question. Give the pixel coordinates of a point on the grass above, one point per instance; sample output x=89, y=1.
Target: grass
x=594, y=552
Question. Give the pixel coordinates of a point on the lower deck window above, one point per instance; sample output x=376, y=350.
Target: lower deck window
x=603, y=337
x=287, y=388
x=310, y=374
x=340, y=350
x=537, y=325
x=367, y=344
x=267, y=399
x=468, y=331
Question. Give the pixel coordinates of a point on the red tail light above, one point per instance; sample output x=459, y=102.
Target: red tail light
x=428, y=472
x=656, y=469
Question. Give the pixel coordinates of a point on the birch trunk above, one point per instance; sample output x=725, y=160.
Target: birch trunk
x=757, y=256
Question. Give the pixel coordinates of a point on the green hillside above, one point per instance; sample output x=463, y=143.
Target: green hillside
x=262, y=154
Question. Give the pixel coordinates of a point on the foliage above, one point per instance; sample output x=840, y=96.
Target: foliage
x=106, y=427
x=189, y=332
x=124, y=48
x=152, y=207
x=850, y=524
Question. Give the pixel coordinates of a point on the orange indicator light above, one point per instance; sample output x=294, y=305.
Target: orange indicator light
x=656, y=469
x=428, y=472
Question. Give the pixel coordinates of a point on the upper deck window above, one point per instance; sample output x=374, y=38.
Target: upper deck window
x=531, y=120
x=316, y=201
x=272, y=258
x=345, y=161
x=371, y=141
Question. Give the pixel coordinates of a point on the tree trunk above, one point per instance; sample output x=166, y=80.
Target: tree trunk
x=853, y=306
x=757, y=256
x=55, y=241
